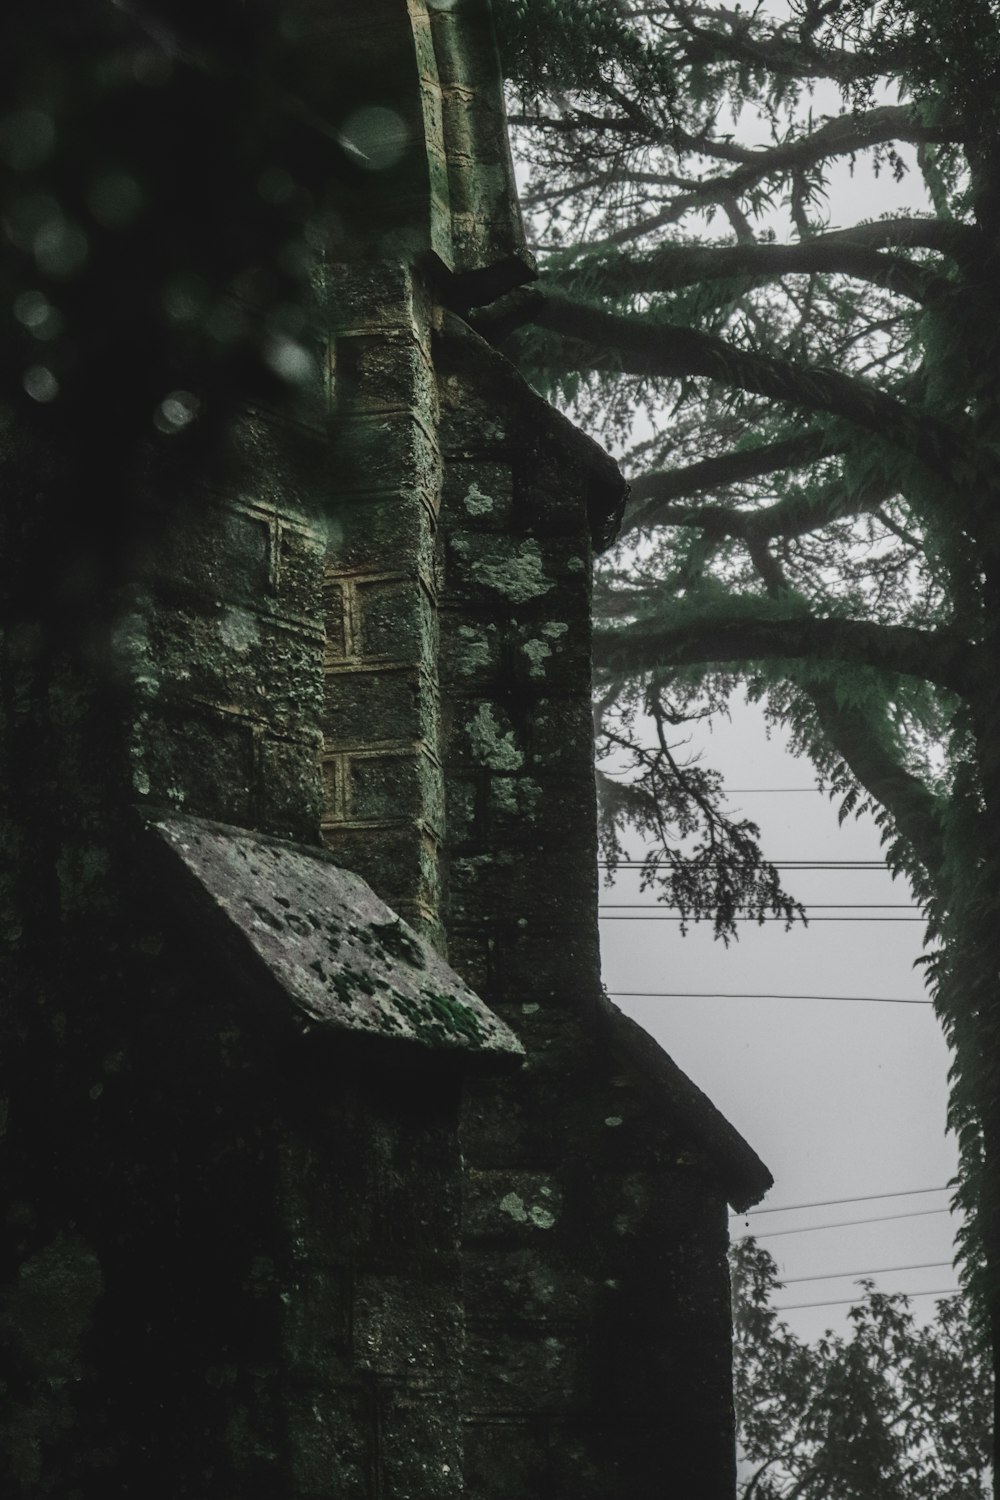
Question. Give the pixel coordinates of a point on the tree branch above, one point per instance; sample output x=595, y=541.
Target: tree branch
x=844, y=135
x=854, y=738
x=799, y=59
x=642, y=347
x=792, y=516
x=676, y=266
x=941, y=657
x=665, y=486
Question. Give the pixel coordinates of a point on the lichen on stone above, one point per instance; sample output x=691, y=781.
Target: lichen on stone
x=474, y=650
x=517, y=573
x=239, y=629
x=475, y=502
x=536, y=652
x=489, y=746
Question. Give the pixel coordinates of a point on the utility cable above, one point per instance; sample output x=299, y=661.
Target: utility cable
x=944, y=1291
x=786, y=1208
x=759, y=920
x=927, y=1265
x=779, y=864
x=809, y=905
x=735, y=995
x=773, y=1234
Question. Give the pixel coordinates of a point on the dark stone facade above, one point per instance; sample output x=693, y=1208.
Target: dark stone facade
x=291, y=1213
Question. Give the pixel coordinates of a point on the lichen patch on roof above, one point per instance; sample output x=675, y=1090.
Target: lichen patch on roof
x=344, y=959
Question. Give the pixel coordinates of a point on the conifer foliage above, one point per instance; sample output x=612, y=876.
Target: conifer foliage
x=893, y=1407
x=809, y=408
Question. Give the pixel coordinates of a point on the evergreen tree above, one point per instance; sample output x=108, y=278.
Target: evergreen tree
x=891, y=1409
x=815, y=484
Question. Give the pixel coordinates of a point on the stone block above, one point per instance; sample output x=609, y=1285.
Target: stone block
x=332, y=1440
x=513, y=1368
x=392, y=451
x=375, y=294
x=538, y=962
x=381, y=373
x=560, y=734
x=290, y=797
x=516, y=887
x=550, y=492
x=507, y=1455
x=336, y=621
x=400, y=864
x=408, y=1326
x=363, y=533
x=317, y=1320
x=396, y=620
x=379, y=704
x=392, y=785
x=469, y=428
x=299, y=573
x=517, y=1286
x=276, y=463
x=463, y=812
x=215, y=550
x=421, y=1446
x=198, y=760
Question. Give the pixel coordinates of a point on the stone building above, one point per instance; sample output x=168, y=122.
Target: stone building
x=330, y=1169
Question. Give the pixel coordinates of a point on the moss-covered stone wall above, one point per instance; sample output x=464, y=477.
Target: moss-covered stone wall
x=242, y=1255
x=595, y=1223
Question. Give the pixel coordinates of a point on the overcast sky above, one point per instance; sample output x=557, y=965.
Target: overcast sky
x=841, y=1100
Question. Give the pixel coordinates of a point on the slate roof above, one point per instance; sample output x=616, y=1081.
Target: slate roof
x=740, y=1172
x=317, y=934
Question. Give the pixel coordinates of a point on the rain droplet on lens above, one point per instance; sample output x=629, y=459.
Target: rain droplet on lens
x=375, y=137
x=184, y=298
x=289, y=360
x=115, y=200
x=176, y=411
x=275, y=185
x=27, y=139
x=40, y=383
x=32, y=308
x=60, y=247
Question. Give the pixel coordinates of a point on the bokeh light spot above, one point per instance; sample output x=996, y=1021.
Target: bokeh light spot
x=60, y=247
x=184, y=298
x=115, y=200
x=176, y=411
x=275, y=185
x=375, y=137
x=289, y=360
x=40, y=383
x=32, y=309
x=27, y=139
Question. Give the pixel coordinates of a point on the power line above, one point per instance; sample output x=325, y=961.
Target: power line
x=733, y=995
x=774, y=1234
x=759, y=920
x=779, y=864
x=944, y=1291
x=809, y=905
x=927, y=1265
x=832, y=1202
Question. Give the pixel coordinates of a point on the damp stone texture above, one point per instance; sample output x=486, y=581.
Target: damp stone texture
x=329, y=1170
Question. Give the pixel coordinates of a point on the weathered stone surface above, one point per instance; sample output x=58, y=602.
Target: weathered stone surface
x=343, y=958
